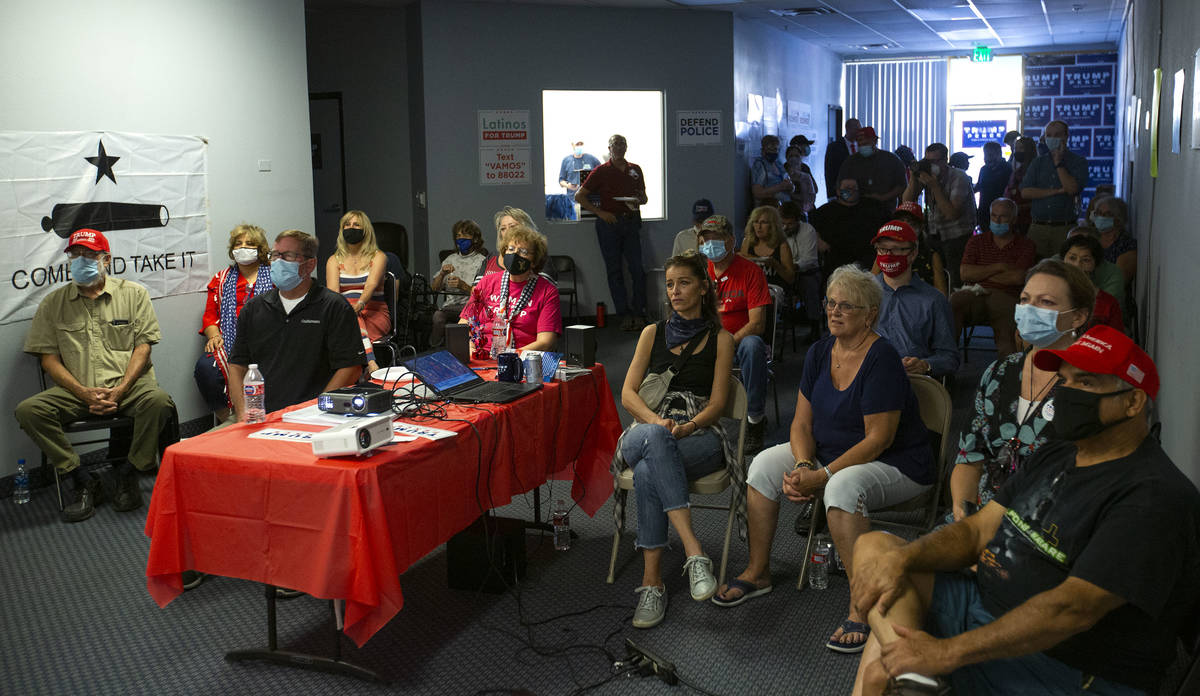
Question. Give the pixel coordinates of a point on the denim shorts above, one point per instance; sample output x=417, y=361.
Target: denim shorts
x=957, y=607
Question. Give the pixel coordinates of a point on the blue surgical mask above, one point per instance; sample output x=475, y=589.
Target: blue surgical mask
x=714, y=250
x=464, y=245
x=579, y=152
x=866, y=150
x=1053, y=143
x=1000, y=228
x=285, y=274
x=847, y=194
x=85, y=271
x=1037, y=325
x=1102, y=222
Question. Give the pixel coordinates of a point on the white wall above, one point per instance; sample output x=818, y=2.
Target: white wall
x=766, y=60
x=362, y=54
x=503, y=56
x=228, y=70
x=1165, y=210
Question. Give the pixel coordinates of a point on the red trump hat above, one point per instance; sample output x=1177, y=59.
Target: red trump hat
x=92, y=239
x=1105, y=351
x=897, y=230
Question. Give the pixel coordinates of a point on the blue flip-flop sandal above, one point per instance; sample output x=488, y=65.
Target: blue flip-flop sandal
x=857, y=646
x=749, y=591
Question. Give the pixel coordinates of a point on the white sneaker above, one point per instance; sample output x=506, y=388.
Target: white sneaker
x=651, y=607
x=700, y=577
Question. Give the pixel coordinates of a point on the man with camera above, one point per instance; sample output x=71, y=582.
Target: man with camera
x=950, y=201
x=1086, y=558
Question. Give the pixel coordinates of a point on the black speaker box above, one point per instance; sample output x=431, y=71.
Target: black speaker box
x=458, y=341
x=467, y=564
x=581, y=345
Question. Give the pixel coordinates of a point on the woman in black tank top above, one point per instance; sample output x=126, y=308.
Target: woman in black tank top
x=681, y=440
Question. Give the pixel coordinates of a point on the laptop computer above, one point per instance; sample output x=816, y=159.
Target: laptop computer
x=452, y=380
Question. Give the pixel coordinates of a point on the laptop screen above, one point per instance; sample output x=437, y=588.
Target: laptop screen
x=441, y=370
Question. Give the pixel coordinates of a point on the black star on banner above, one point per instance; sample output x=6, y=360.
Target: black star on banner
x=103, y=164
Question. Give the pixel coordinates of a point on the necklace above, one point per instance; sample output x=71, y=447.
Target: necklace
x=838, y=363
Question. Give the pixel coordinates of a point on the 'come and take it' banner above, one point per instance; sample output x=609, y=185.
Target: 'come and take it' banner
x=146, y=193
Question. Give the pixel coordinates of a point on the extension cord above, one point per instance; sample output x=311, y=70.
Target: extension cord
x=647, y=663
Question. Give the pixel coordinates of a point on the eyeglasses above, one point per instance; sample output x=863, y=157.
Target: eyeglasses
x=287, y=256
x=893, y=252
x=841, y=307
x=522, y=252
x=85, y=253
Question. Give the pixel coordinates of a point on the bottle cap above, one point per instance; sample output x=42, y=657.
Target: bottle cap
x=253, y=366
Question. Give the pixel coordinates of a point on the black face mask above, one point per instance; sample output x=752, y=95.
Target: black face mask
x=353, y=235
x=516, y=264
x=1077, y=413
x=1023, y=156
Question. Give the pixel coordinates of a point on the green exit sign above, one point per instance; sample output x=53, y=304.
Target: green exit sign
x=982, y=54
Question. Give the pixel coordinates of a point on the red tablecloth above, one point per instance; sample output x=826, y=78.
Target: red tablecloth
x=270, y=512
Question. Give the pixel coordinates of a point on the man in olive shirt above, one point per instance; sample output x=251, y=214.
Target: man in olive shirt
x=93, y=338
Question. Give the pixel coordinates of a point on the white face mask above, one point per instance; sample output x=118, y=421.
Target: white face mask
x=245, y=255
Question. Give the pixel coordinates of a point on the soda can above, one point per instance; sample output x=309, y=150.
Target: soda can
x=533, y=368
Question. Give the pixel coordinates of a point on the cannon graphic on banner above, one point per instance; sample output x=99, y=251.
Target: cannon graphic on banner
x=105, y=216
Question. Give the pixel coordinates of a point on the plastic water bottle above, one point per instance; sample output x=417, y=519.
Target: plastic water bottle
x=818, y=565
x=562, y=526
x=499, y=336
x=21, y=484
x=255, y=389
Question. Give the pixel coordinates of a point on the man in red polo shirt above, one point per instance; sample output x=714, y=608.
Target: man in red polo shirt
x=996, y=261
x=613, y=192
x=743, y=301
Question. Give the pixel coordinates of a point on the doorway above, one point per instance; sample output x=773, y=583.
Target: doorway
x=329, y=169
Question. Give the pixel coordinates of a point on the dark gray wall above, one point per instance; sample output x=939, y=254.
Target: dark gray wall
x=503, y=56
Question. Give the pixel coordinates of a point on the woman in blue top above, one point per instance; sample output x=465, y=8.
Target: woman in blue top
x=857, y=441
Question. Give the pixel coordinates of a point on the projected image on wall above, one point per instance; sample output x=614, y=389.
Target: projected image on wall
x=576, y=125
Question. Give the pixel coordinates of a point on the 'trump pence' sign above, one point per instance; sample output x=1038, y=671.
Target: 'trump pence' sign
x=698, y=127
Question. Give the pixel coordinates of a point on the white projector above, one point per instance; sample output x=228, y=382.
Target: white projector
x=357, y=435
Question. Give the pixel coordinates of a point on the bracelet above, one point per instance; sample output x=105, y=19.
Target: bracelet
x=695, y=425
x=828, y=475
x=806, y=463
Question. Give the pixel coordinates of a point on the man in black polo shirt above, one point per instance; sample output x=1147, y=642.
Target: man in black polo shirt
x=303, y=337
x=1088, y=558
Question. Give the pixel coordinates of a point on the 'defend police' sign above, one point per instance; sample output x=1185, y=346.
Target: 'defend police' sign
x=1036, y=112
x=1080, y=142
x=1103, y=142
x=1100, y=172
x=1079, y=111
x=1043, y=82
x=976, y=133
x=1088, y=79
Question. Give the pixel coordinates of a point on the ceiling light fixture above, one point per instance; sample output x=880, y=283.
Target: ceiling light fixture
x=803, y=12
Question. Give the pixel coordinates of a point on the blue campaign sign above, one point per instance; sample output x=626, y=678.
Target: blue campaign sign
x=1103, y=142
x=1110, y=111
x=1043, y=82
x=1088, y=79
x=1080, y=142
x=1079, y=111
x=1036, y=112
x=976, y=133
x=1100, y=171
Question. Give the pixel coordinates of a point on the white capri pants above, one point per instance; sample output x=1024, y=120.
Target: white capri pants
x=855, y=489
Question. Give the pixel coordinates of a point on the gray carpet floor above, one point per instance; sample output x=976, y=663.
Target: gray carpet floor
x=77, y=618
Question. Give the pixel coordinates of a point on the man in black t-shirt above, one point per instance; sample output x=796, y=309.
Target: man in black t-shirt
x=303, y=337
x=846, y=226
x=1088, y=558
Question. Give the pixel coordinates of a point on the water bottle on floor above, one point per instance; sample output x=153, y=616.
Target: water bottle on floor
x=818, y=564
x=21, y=484
x=562, y=526
x=255, y=389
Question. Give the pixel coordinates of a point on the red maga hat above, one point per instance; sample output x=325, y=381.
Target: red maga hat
x=1105, y=351
x=92, y=239
x=897, y=230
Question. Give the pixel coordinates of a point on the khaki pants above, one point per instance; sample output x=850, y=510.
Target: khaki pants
x=994, y=309
x=1048, y=238
x=42, y=417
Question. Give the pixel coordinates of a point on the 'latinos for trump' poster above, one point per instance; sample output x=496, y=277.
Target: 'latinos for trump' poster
x=146, y=193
